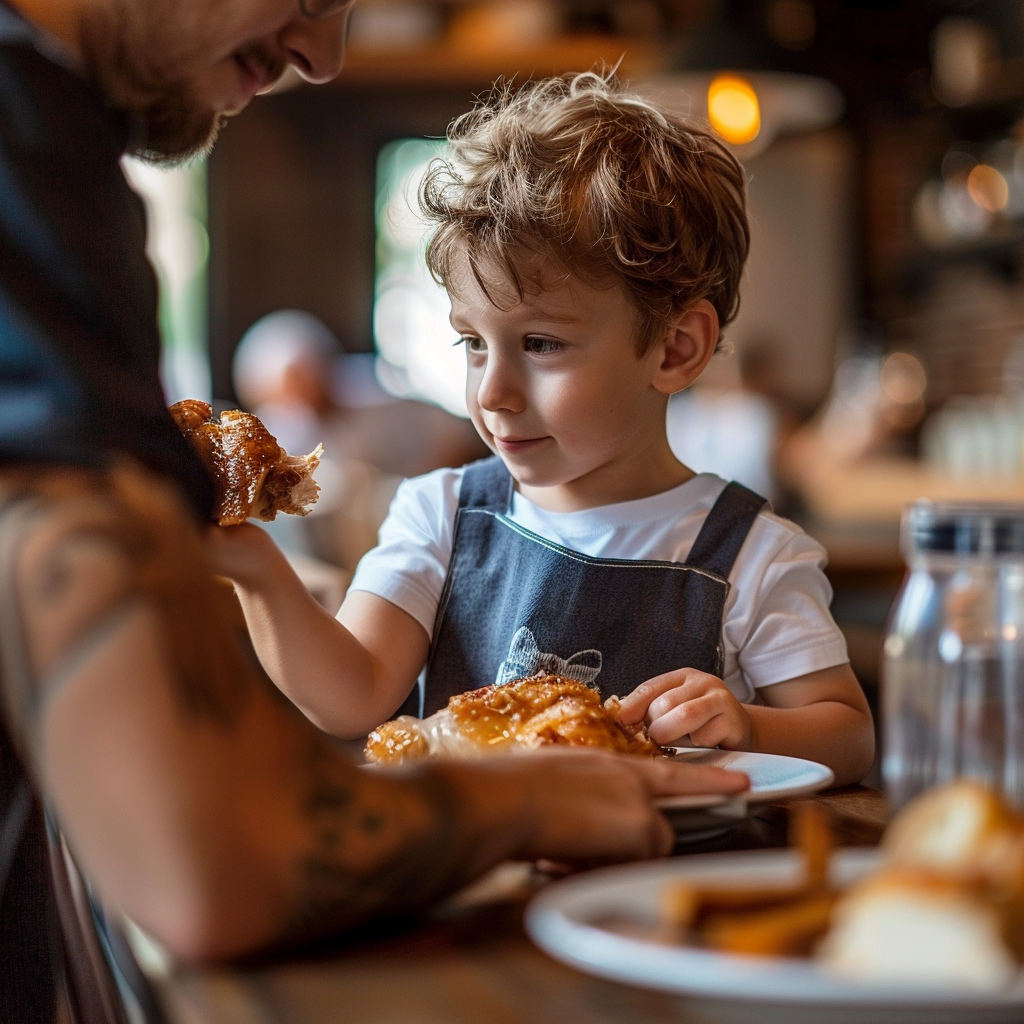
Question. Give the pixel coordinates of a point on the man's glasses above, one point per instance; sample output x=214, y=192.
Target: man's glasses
x=317, y=9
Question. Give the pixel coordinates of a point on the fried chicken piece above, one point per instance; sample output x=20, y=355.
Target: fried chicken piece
x=253, y=475
x=526, y=713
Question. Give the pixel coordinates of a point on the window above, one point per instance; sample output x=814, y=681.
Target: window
x=178, y=247
x=414, y=340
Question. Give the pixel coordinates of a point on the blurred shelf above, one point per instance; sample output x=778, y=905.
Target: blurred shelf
x=872, y=494
x=444, y=64
x=861, y=549
x=1003, y=250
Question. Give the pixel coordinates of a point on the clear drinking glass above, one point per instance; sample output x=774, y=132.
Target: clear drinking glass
x=953, y=660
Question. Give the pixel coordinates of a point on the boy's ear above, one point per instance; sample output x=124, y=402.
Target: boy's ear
x=687, y=347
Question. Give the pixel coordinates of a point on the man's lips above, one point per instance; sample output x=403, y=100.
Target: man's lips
x=258, y=72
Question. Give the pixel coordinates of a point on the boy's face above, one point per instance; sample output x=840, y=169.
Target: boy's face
x=554, y=386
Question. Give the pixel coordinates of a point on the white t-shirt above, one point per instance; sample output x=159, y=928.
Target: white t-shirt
x=777, y=623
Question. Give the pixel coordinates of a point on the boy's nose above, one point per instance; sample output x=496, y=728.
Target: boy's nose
x=497, y=389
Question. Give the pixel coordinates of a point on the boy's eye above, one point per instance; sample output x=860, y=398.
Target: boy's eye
x=472, y=343
x=541, y=346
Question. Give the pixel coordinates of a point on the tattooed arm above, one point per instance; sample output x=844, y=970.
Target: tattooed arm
x=201, y=803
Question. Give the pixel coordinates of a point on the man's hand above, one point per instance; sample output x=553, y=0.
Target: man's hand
x=581, y=806
x=688, y=702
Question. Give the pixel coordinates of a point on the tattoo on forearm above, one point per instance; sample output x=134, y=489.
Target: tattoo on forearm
x=77, y=549
x=377, y=846
x=80, y=551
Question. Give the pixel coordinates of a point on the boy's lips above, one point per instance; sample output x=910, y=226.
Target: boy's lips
x=514, y=445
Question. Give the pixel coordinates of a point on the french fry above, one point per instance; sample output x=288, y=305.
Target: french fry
x=810, y=831
x=791, y=929
x=688, y=907
x=783, y=920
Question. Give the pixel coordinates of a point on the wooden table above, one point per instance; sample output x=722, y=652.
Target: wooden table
x=471, y=962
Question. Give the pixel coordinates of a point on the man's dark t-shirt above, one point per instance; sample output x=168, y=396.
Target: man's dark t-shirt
x=79, y=385
x=79, y=342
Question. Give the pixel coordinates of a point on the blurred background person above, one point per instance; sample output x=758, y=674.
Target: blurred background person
x=291, y=371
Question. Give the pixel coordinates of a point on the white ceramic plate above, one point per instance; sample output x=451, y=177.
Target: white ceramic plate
x=772, y=776
x=604, y=922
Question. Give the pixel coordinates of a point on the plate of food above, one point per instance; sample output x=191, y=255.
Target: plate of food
x=545, y=710
x=929, y=928
x=523, y=714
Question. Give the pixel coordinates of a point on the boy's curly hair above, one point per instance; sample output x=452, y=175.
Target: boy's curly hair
x=603, y=183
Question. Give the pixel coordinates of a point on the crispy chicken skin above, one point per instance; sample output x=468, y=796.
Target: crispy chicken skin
x=525, y=713
x=253, y=475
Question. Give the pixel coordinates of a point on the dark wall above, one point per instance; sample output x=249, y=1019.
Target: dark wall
x=291, y=217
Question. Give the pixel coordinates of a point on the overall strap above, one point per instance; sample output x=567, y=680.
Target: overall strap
x=725, y=529
x=486, y=484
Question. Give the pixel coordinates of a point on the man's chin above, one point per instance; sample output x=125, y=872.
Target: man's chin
x=171, y=140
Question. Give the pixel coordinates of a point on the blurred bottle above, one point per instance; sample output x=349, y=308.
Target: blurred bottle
x=953, y=662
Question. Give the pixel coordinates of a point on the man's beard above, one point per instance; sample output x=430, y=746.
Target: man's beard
x=139, y=56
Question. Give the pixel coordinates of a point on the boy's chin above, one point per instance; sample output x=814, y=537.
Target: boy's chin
x=534, y=479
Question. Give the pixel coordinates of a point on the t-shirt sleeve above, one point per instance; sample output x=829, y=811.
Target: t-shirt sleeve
x=779, y=625
x=410, y=562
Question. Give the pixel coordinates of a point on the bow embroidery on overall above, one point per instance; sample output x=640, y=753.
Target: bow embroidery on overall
x=525, y=658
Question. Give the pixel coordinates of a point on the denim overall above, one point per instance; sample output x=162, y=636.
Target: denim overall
x=515, y=603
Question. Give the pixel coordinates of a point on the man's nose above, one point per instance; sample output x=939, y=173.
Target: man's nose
x=315, y=47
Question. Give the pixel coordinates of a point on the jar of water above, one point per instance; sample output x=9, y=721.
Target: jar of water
x=952, y=698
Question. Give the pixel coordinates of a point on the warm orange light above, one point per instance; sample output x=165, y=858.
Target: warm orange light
x=733, y=109
x=988, y=188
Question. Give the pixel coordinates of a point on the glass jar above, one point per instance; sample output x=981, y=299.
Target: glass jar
x=952, y=698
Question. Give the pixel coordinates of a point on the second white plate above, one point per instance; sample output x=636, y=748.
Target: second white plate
x=772, y=776
x=606, y=923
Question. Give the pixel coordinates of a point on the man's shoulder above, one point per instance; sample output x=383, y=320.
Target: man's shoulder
x=45, y=106
x=14, y=29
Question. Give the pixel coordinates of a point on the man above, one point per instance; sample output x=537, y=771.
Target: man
x=194, y=798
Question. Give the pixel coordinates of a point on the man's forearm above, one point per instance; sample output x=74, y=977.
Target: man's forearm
x=198, y=801
x=384, y=844
x=225, y=838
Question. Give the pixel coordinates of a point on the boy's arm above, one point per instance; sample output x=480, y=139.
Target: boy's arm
x=347, y=674
x=822, y=716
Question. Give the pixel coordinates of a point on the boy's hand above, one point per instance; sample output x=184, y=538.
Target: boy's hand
x=244, y=554
x=688, y=702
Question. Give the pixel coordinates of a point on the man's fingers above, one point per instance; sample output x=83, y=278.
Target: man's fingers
x=665, y=778
x=662, y=837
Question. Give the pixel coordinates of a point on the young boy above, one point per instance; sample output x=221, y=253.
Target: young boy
x=592, y=247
